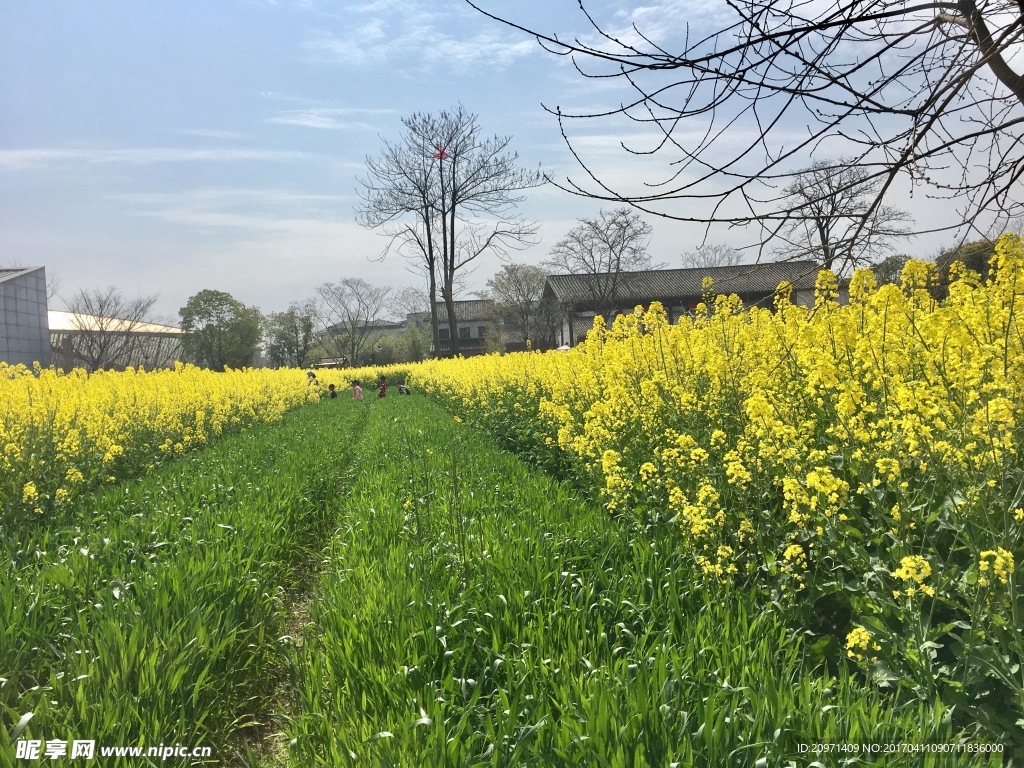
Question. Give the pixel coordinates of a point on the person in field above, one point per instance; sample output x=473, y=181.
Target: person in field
x=382, y=387
x=311, y=378
x=357, y=391
x=332, y=391
x=402, y=389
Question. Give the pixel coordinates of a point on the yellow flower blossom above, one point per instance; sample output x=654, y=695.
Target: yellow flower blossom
x=998, y=562
x=858, y=642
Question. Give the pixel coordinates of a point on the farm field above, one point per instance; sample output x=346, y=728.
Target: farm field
x=455, y=582
x=474, y=611
x=720, y=542
x=858, y=467
x=151, y=610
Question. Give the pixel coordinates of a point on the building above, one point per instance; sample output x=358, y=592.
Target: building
x=87, y=341
x=336, y=341
x=24, y=330
x=478, y=325
x=678, y=290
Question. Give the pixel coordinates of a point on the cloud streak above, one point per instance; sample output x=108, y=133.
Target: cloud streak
x=328, y=118
x=30, y=159
x=392, y=32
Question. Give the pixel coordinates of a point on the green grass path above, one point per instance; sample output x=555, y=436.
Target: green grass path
x=472, y=611
x=375, y=583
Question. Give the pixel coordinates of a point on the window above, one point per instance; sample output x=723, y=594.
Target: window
x=464, y=332
x=443, y=334
x=481, y=331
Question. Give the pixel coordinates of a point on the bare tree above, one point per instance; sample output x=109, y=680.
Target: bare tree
x=518, y=293
x=52, y=286
x=408, y=300
x=712, y=255
x=840, y=226
x=447, y=195
x=350, y=314
x=604, y=249
x=929, y=92
x=399, y=197
x=107, y=325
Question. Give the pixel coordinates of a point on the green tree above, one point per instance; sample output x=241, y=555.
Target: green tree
x=220, y=330
x=976, y=256
x=409, y=346
x=889, y=269
x=290, y=335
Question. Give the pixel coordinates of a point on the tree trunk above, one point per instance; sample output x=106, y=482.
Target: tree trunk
x=453, y=324
x=827, y=256
x=435, y=335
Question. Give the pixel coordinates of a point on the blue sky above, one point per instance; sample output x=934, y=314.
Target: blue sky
x=168, y=147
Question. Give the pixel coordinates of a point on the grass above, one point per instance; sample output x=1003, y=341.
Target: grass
x=474, y=612
x=466, y=609
x=155, y=611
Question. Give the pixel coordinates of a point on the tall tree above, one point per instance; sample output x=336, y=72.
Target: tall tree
x=350, y=314
x=930, y=93
x=108, y=325
x=838, y=225
x=290, y=334
x=220, y=330
x=604, y=248
x=446, y=195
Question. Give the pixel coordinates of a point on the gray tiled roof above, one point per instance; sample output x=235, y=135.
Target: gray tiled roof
x=466, y=311
x=685, y=284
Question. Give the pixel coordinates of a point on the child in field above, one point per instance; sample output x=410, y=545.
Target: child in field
x=357, y=391
x=402, y=389
x=332, y=391
x=382, y=387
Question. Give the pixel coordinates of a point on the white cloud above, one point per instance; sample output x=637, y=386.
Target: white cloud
x=327, y=118
x=395, y=31
x=24, y=159
x=209, y=133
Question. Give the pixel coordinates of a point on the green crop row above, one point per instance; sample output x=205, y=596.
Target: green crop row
x=472, y=611
x=157, y=610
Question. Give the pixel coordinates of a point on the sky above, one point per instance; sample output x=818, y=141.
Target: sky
x=170, y=147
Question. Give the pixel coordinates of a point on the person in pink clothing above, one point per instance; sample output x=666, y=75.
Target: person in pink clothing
x=357, y=391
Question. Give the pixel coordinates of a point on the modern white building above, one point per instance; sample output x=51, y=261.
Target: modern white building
x=24, y=329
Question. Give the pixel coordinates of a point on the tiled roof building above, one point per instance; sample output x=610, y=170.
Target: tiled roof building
x=679, y=290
